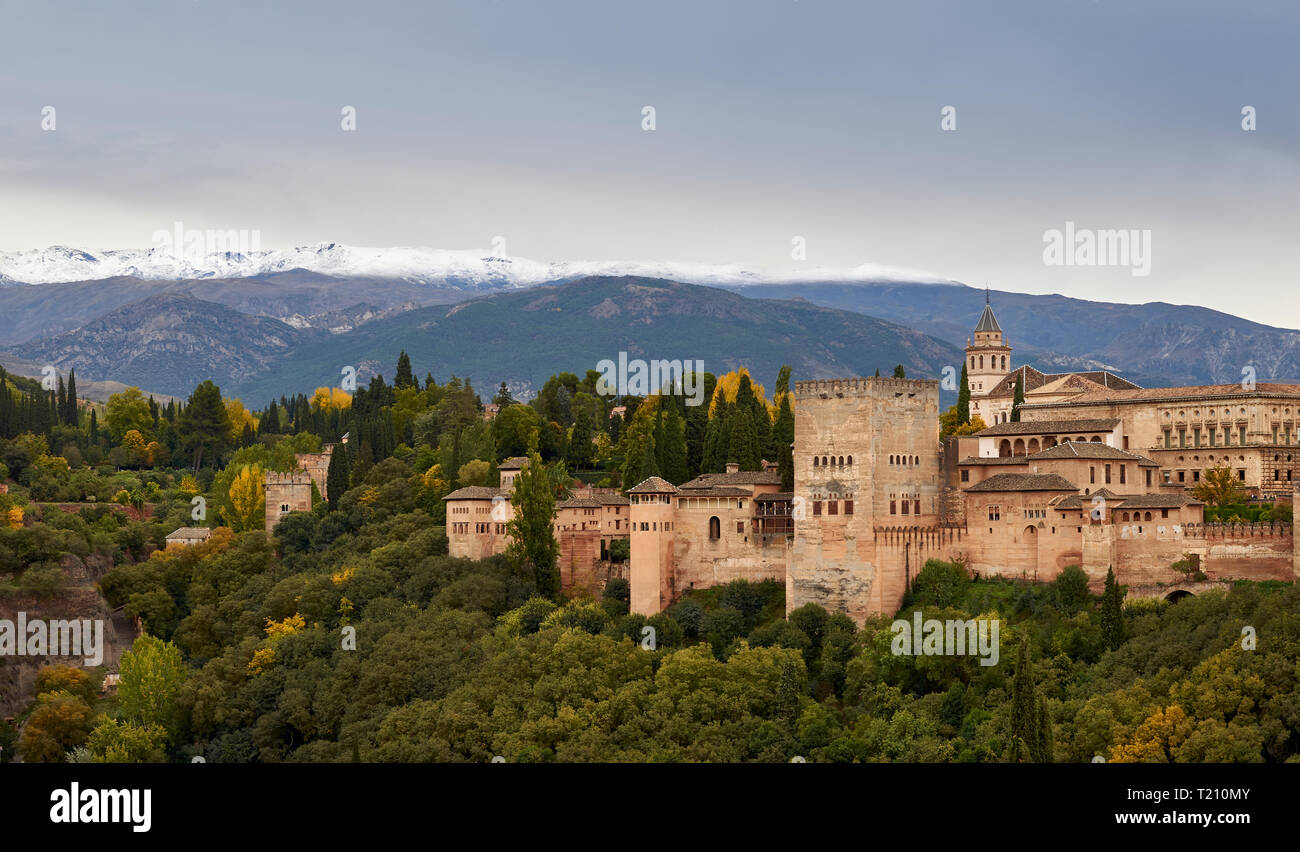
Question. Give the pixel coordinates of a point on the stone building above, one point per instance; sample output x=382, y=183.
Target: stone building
x=1096, y=473
x=714, y=529
x=186, y=536
x=285, y=493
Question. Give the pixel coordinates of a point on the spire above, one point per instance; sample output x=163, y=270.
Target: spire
x=986, y=293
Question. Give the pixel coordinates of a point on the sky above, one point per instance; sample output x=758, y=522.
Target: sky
x=774, y=122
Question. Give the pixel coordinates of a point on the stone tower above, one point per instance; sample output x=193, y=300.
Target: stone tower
x=653, y=513
x=285, y=493
x=988, y=358
x=866, y=472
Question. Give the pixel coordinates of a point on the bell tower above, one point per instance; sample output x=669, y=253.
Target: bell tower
x=988, y=359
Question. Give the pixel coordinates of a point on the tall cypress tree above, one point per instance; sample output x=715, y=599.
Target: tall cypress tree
x=532, y=535
x=1024, y=708
x=1112, y=615
x=963, y=398
x=783, y=436
x=674, y=464
x=72, y=397
x=338, y=476
x=1019, y=398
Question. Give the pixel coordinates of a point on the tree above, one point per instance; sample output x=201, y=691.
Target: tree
x=1112, y=614
x=247, y=499
x=1219, y=487
x=126, y=411
x=783, y=436
x=116, y=741
x=899, y=372
x=1024, y=708
x=151, y=676
x=1019, y=398
x=337, y=475
x=61, y=721
x=503, y=397
x=204, y=425
x=963, y=397
x=532, y=534
x=673, y=449
x=404, y=378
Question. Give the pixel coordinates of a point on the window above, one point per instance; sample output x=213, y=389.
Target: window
x=1241, y=475
x=906, y=505
x=715, y=528
x=833, y=508
x=740, y=527
x=893, y=507
x=1148, y=477
x=817, y=507
x=848, y=507
x=1123, y=474
x=1108, y=474
x=916, y=507
x=1092, y=474
x=1182, y=475
x=995, y=513
x=965, y=475
x=1164, y=513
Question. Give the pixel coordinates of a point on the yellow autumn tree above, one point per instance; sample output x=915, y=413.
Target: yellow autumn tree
x=728, y=386
x=14, y=518
x=1156, y=739
x=247, y=499
x=331, y=399
x=289, y=626
x=189, y=485
x=137, y=448
x=239, y=418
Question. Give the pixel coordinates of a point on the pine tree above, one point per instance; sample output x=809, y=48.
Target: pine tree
x=1112, y=615
x=963, y=398
x=404, y=378
x=899, y=372
x=743, y=447
x=503, y=397
x=1019, y=398
x=204, y=424
x=877, y=372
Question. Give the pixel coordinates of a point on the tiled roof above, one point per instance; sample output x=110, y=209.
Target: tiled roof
x=190, y=532
x=743, y=477
x=591, y=502
x=474, y=492
x=719, y=491
x=988, y=322
x=1104, y=380
x=1090, y=450
x=514, y=463
x=1025, y=482
x=1159, y=501
x=775, y=497
x=1048, y=427
x=1076, y=501
x=993, y=460
x=1189, y=393
x=653, y=485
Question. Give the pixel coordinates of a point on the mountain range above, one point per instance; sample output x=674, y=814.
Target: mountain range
x=266, y=323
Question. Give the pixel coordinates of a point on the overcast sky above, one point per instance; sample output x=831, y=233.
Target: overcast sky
x=773, y=120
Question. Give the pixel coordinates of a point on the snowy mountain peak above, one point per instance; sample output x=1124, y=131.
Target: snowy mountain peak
x=465, y=269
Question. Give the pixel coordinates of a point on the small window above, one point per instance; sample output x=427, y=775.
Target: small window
x=848, y=507
x=965, y=475
x=817, y=507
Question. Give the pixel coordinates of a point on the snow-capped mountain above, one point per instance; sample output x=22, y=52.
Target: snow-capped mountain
x=462, y=269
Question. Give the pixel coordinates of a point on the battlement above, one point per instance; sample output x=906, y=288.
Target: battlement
x=861, y=386
x=296, y=478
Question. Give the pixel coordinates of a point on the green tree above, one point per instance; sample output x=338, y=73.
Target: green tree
x=404, y=378
x=116, y=741
x=1019, y=398
x=151, y=676
x=129, y=410
x=61, y=721
x=1219, y=487
x=1025, y=731
x=899, y=372
x=673, y=450
x=338, y=475
x=963, y=397
x=1112, y=613
x=532, y=534
x=204, y=425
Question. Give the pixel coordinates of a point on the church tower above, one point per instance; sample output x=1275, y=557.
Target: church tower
x=988, y=360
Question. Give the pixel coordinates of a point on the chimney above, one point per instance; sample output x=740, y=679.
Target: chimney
x=733, y=467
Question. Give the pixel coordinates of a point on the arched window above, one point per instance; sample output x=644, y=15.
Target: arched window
x=906, y=504
x=893, y=507
x=1147, y=516
x=715, y=528
x=981, y=362
x=1004, y=362
x=850, y=459
x=815, y=461
x=916, y=507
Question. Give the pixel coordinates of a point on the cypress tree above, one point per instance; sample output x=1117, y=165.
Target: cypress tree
x=783, y=436
x=1112, y=616
x=743, y=447
x=72, y=397
x=963, y=398
x=1046, y=740
x=1019, y=398
x=337, y=476
x=1024, y=707
x=899, y=372
x=674, y=466
x=532, y=535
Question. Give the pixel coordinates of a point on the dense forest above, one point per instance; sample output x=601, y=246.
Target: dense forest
x=350, y=634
